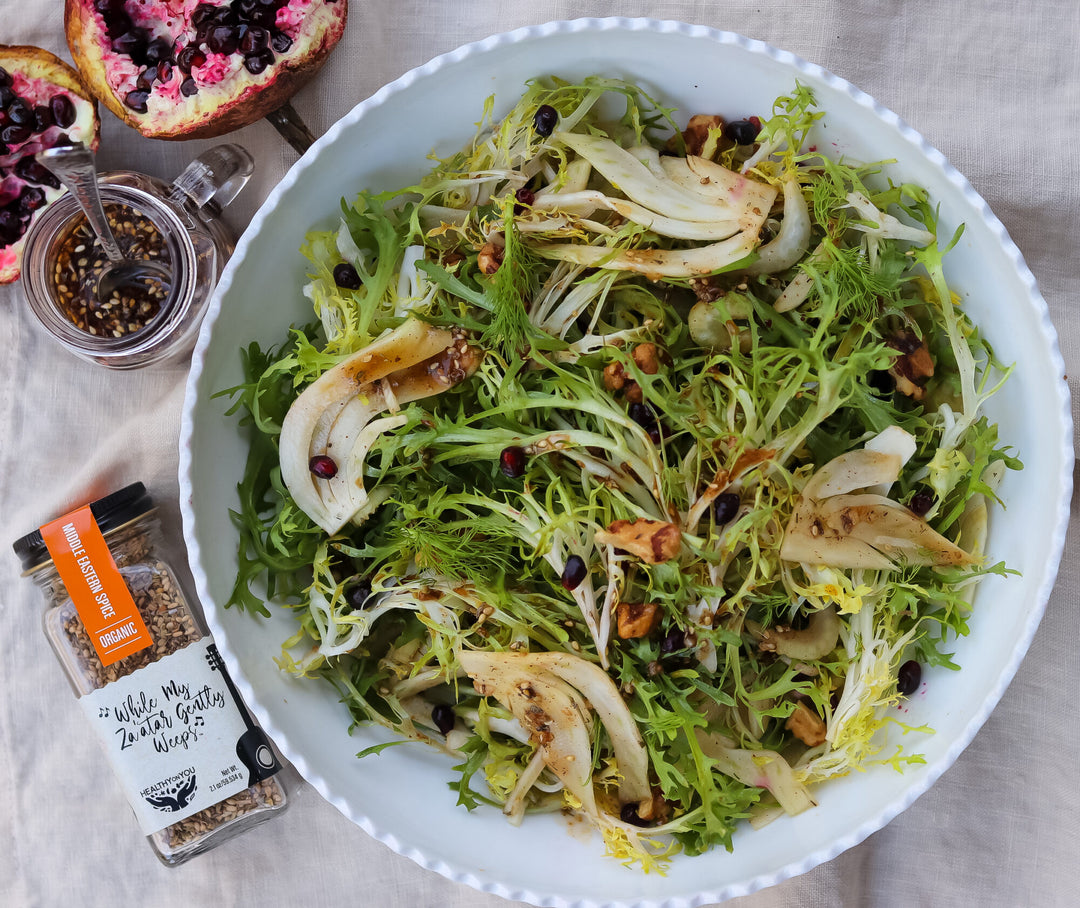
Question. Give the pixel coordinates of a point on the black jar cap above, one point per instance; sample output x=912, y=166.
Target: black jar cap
x=110, y=512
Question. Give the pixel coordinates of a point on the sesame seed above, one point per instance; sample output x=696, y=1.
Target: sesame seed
x=81, y=261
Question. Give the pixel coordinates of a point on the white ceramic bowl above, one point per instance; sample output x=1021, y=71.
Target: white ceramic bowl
x=401, y=797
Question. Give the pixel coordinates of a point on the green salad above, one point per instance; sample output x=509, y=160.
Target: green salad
x=636, y=463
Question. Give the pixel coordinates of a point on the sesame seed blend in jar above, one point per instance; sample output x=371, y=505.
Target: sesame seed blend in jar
x=80, y=261
x=194, y=765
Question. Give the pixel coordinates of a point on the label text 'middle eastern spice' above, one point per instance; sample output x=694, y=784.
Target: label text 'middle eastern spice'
x=100, y=596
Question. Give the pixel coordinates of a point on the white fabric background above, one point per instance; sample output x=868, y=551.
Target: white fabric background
x=994, y=84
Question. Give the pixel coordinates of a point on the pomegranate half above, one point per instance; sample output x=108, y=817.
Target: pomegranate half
x=185, y=69
x=43, y=103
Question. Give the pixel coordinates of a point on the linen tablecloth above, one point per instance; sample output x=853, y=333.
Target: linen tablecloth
x=994, y=84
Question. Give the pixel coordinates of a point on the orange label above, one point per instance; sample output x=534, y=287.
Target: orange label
x=97, y=589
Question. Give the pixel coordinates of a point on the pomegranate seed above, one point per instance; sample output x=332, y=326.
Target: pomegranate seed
x=203, y=13
x=673, y=642
x=545, y=120
x=14, y=135
x=31, y=199
x=323, y=466
x=246, y=9
x=921, y=502
x=257, y=62
x=881, y=381
x=10, y=227
x=743, y=132
x=223, y=39
x=512, y=461
x=254, y=38
x=158, y=50
x=357, y=594
x=523, y=198
x=345, y=275
x=574, y=572
x=908, y=678
x=132, y=44
x=30, y=170
x=443, y=717
x=136, y=100
x=280, y=42
x=117, y=22
x=642, y=414
x=20, y=112
x=725, y=507
x=43, y=118
x=190, y=57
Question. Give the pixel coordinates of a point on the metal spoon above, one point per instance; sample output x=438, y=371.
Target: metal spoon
x=74, y=166
x=292, y=128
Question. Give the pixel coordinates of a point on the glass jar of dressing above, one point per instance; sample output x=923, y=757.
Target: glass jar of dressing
x=177, y=225
x=195, y=767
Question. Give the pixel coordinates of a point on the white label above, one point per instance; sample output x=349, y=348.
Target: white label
x=171, y=730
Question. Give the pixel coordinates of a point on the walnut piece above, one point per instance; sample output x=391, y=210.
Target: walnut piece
x=656, y=811
x=489, y=258
x=636, y=619
x=697, y=129
x=646, y=358
x=913, y=367
x=614, y=376
x=653, y=541
x=806, y=725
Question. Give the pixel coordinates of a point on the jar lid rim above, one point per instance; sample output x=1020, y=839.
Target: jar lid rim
x=111, y=512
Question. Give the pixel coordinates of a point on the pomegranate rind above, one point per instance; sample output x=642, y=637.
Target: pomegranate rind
x=35, y=65
x=237, y=99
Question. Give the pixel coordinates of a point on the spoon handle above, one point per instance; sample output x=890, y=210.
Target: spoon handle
x=293, y=129
x=74, y=166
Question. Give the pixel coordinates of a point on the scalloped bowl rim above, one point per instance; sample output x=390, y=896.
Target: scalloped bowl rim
x=1059, y=409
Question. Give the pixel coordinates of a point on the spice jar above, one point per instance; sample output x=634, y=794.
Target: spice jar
x=177, y=224
x=195, y=767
